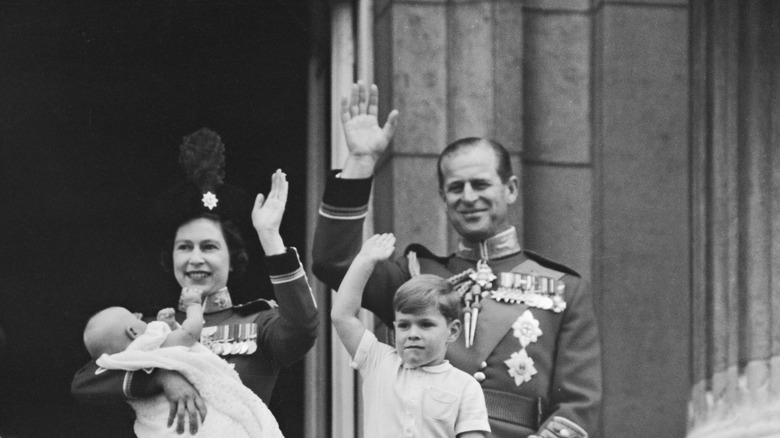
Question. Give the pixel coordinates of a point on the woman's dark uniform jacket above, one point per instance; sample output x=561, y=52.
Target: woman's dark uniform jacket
x=566, y=355
x=285, y=335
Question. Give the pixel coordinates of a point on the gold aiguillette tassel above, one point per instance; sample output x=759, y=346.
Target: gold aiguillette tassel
x=474, y=315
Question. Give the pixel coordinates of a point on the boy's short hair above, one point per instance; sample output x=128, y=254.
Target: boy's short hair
x=426, y=290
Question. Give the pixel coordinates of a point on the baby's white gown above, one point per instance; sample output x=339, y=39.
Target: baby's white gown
x=233, y=409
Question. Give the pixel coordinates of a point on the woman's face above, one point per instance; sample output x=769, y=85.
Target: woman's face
x=200, y=256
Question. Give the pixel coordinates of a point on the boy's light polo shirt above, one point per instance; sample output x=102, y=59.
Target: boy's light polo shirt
x=424, y=402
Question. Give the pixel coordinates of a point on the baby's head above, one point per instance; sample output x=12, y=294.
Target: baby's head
x=426, y=319
x=111, y=330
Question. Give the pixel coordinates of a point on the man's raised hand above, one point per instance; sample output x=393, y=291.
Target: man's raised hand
x=366, y=140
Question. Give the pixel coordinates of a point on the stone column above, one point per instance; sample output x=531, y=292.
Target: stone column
x=453, y=69
x=736, y=203
x=641, y=235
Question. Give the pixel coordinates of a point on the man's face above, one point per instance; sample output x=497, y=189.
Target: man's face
x=421, y=339
x=477, y=201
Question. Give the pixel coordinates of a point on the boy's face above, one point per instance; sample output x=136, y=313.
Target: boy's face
x=422, y=339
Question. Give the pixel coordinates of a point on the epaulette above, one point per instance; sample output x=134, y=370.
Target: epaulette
x=425, y=253
x=547, y=263
x=258, y=305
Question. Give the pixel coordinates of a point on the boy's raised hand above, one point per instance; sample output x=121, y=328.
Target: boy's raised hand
x=378, y=247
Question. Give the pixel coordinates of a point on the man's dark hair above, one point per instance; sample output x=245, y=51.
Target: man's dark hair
x=503, y=162
x=424, y=291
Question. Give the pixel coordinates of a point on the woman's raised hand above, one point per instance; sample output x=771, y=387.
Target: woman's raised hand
x=267, y=214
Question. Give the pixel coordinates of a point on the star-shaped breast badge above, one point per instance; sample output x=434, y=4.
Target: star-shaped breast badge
x=521, y=367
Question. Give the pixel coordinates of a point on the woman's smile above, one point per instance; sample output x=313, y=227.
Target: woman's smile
x=198, y=275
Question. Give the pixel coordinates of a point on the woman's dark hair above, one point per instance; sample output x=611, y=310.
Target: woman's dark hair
x=236, y=248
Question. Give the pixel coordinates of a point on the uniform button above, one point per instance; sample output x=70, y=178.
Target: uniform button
x=480, y=376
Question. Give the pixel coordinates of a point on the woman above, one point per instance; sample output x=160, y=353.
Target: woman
x=258, y=337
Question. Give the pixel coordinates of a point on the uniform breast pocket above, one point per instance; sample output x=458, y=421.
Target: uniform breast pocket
x=439, y=404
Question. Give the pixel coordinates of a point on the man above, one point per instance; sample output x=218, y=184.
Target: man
x=530, y=336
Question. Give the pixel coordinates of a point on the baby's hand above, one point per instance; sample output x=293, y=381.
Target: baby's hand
x=167, y=316
x=190, y=295
x=378, y=247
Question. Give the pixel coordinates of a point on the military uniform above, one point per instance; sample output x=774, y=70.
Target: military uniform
x=281, y=335
x=538, y=360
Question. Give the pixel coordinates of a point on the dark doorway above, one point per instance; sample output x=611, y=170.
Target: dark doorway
x=95, y=98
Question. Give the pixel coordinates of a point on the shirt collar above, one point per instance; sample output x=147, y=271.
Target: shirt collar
x=434, y=369
x=216, y=302
x=502, y=244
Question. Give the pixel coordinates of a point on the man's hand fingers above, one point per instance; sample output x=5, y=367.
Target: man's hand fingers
x=354, y=109
x=373, y=101
x=345, y=117
x=363, y=102
x=392, y=121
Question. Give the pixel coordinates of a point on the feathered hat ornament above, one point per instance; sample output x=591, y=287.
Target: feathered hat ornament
x=202, y=157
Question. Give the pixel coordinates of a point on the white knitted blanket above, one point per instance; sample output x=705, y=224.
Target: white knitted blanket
x=233, y=409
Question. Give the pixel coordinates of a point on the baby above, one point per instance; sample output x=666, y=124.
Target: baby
x=409, y=390
x=114, y=329
x=119, y=339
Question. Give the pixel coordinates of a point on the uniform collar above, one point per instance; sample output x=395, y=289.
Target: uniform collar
x=502, y=244
x=216, y=302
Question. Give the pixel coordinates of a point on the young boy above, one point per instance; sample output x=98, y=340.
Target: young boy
x=409, y=391
x=119, y=339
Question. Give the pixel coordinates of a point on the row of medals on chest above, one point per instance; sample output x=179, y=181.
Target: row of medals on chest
x=230, y=339
x=511, y=287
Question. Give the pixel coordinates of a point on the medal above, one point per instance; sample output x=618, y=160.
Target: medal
x=232, y=339
x=533, y=290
